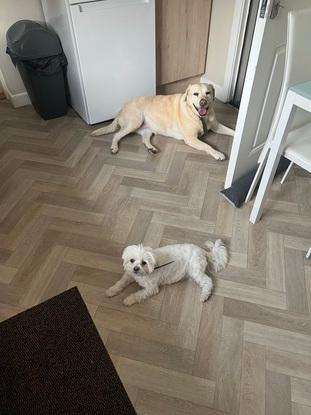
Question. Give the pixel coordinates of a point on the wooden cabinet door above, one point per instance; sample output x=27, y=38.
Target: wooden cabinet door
x=182, y=28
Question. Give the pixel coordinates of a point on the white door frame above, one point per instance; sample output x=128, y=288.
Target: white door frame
x=225, y=92
x=247, y=91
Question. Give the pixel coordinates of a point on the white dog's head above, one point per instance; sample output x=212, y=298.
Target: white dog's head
x=138, y=260
x=199, y=97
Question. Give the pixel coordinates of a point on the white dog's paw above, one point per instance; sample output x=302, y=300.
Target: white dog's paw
x=130, y=300
x=111, y=292
x=204, y=297
x=218, y=155
x=114, y=149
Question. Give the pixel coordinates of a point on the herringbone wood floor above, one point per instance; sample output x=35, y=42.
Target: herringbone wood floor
x=68, y=208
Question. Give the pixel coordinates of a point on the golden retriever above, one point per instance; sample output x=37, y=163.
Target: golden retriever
x=180, y=116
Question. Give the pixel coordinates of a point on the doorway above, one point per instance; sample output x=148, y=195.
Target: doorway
x=246, y=48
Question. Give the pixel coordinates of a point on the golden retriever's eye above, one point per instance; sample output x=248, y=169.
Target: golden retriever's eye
x=196, y=94
x=143, y=263
x=207, y=92
x=132, y=260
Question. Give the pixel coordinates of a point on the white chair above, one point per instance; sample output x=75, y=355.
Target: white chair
x=298, y=96
x=297, y=70
x=298, y=149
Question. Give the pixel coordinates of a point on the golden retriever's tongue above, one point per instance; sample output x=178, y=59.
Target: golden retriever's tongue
x=202, y=111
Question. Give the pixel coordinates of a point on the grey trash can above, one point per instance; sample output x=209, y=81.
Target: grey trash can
x=37, y=53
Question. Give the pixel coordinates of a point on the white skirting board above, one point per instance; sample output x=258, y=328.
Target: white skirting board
x=17, y=100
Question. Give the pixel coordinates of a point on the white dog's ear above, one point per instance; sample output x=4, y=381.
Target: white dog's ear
x=187, y=92
x=149, y=258
x=127, y=253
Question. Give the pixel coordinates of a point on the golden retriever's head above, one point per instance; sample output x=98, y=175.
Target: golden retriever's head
x=199, y=97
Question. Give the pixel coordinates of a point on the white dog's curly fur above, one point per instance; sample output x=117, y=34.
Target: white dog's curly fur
x=140, y=265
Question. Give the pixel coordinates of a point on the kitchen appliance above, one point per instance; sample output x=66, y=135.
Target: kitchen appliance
x=110, y=47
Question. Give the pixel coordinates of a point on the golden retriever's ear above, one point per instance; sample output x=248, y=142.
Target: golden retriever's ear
x=187, y=92
x=213, y=92
x=211, y=87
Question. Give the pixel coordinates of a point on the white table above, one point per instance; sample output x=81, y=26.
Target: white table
x=298, y=96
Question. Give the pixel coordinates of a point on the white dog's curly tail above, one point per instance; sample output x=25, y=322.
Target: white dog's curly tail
x=111, y=128
x=217, y=254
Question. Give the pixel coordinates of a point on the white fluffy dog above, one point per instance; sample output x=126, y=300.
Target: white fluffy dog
x=151, y=268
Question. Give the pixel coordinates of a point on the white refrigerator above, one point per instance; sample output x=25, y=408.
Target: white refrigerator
x=110, y=47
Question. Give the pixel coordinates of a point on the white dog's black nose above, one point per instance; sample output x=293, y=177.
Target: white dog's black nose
x=203, y=102
x=136, y=269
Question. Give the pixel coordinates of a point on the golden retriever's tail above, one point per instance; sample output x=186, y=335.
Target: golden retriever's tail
x=111, y=128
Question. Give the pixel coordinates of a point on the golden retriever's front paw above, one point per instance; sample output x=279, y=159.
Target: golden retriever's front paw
x=130, y=300
x=218, y=155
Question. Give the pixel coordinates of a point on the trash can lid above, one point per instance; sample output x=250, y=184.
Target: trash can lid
x=29, y=40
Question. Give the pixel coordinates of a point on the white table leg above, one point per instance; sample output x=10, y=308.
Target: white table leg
x=277, y=145
x=287, y=172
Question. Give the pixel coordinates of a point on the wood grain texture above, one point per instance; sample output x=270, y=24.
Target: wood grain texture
x=168, y=382
x=68, y=209
x=301, y=391
x=278, y=338
x=252, y=397
x=182, y=30
x=156, y=353
x=295, y=282
x=229, y=366
x=275, y=262
x=298, y=409
x=266, y=315
x=278, y=394
x=151, y=403
x=291, y=364
x=177, y=87
x=209, y=339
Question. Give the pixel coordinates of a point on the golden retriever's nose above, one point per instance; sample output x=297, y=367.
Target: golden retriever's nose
x=203, y=102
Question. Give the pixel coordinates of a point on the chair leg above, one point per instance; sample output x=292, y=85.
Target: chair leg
x=287, y=171
x=260, y=168
x=264, y=187
x=309, y=253
x=277, y=144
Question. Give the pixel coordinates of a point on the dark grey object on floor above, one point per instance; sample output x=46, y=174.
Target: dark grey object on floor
x=236, y=194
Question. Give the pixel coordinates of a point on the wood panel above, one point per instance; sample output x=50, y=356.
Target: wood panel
x=67, y=210
x=177, y=87
x=182, y=35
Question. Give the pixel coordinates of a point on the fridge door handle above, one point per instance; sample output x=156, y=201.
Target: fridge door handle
x=108, y=4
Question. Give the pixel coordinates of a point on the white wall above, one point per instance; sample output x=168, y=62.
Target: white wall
x=10, y=12
x=219, y=38
x=228, y=19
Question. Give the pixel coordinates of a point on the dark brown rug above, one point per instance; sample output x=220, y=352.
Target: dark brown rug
x=52, y=361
